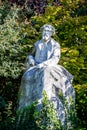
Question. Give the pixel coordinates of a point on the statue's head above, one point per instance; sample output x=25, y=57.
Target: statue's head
x=47, y=32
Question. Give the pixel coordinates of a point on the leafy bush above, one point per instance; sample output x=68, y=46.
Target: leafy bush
x=25, y=118
x=81, y=99
x=6, y=117
x=34, y=119
x=4, y=10
x=16, y=41
x=47, y=119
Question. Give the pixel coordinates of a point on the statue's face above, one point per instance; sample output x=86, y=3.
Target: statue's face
x=46, y=35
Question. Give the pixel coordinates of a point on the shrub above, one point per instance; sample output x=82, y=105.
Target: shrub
x=6, y=117
x=16, y=40
x=81, y=99
x=42, y=119
x=25, y=118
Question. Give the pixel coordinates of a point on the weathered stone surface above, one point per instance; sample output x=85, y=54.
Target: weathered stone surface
x=56, y=81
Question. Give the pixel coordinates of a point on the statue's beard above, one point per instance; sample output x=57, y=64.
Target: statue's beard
x=46, y=38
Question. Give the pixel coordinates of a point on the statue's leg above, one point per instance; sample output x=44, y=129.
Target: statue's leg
x=31, y=87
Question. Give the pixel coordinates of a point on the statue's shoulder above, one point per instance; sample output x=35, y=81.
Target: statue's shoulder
x=37, y=43
x=54, y=43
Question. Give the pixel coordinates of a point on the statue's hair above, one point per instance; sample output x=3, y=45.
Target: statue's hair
x=51, y=28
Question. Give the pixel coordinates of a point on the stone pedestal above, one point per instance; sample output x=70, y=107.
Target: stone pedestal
x=56, y=81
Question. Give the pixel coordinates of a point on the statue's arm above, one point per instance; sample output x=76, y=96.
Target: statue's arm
x=56, y=53
x=30, y=62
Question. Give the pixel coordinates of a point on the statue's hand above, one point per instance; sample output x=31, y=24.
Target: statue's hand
x=31, y=65
x=29, y=62
x=41, y=65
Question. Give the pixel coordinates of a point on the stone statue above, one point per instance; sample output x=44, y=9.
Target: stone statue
x=47, y=50
x=44, y=73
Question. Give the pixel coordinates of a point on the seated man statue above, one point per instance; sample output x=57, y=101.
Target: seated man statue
x=44, y=73
x=47, y=50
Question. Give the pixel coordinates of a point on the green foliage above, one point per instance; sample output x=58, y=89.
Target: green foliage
x=13, y=43
x=6, y=117
x=16, y=41
x=42, y=119
x=81, y=99
x=4, y=10
x=71, y=115
x=25, y=118
x=47, y=119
